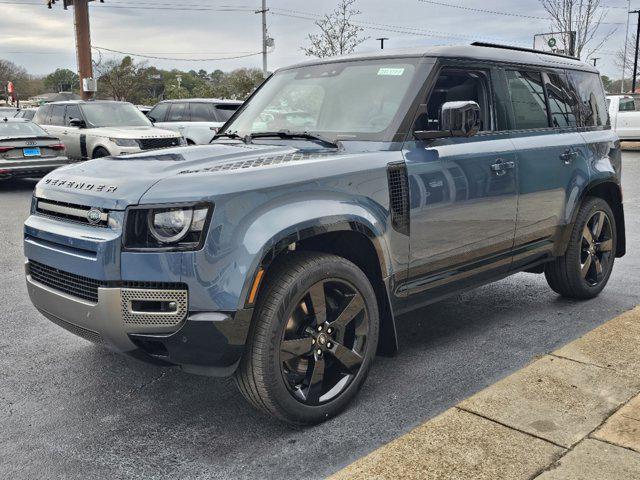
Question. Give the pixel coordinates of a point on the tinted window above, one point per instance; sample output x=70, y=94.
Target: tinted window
x=42, y=115
x=224, y=112
x=17, y=129
x=201, y=112
x=528, y=100
x=57, y=115
x=73, y=111
x=593, y=105
x=627, y=104
x=159, y=112
x=178, y=113
x=563, y=102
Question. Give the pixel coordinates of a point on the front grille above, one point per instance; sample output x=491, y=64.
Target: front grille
x=81, y=332
x=69, y=283
x=157, y=319
x=153, y=143
x=70, y=212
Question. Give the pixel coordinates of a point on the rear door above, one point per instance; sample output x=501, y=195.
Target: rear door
x=627, y=119
x=463, y=195
x=551, y=157
x=55, y=123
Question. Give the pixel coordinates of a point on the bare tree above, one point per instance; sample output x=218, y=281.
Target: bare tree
x=338, y=34
x=585, y=17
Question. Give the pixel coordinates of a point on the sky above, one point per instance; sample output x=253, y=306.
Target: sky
x=42, y=40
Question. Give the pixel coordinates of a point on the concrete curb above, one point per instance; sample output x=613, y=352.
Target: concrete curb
x=572, y=414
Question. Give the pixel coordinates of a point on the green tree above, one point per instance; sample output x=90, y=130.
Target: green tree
x=240, y=83
x=61, y=80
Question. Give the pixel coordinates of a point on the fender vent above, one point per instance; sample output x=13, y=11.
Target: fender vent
x=399, y=196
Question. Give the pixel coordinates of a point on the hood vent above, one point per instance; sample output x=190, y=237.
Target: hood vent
x=258, y=162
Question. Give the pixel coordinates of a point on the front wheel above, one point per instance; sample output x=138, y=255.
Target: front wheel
x=586, y=266
x=313, y=339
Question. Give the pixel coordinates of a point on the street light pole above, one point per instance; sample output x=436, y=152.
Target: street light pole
x=626, y=37
x=265, y=38
x=635, y=60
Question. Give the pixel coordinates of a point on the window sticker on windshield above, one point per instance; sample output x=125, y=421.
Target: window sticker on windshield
x=392, y=72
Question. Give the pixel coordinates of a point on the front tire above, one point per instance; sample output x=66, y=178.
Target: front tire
x=100, y=153
x=313, y=339
x=584, y=270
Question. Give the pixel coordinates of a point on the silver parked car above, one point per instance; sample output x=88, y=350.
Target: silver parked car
x=103, y=128
x=196, y=119
x=26, y=150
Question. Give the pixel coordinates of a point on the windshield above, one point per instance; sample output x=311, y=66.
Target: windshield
x=342, y=101
x=21, y=129
x=114, y=115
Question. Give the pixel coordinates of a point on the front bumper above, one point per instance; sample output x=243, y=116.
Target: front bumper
x=207, y=343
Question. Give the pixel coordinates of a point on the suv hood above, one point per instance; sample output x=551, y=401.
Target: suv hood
x=116, y=182
x=131, y=132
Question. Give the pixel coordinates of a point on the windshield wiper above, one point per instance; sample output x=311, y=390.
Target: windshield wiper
x=232, y=135
x=286, y=134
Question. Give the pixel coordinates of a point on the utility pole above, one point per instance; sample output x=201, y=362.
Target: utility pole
x=382, y=40
x=83, y=44
x=265, y=38
x=635, y=60
x=626, y=37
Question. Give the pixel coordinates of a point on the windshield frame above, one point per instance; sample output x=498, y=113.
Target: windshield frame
x=395, y=132
x=83, y=110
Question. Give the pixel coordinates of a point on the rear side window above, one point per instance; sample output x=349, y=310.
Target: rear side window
x=224, y=112
x=627, y=105
x=528, y=99
x=202, y=112
x=179, y=112
x=593, y=105
x=42, y=115
x=57, y=115
x=159, y=112
x=563, y=103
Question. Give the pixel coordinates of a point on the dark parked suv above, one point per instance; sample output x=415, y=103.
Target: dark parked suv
x=282, y=255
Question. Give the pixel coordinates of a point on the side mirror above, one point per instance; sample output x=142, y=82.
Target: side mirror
x=77, y=122
x=461, y=119
x=151, y=119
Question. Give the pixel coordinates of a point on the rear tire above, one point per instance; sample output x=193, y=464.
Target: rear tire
x=313, y=338
x=584, y=270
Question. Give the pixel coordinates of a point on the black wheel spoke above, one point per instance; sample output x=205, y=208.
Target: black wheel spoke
x=318, y=302
x=314, y=391
x=290, y=349
x=598, y=224
x=598, y=265
x=587, y=235
x=353, y=308
x=587, y=266
x=348, y=358
x=605, y=246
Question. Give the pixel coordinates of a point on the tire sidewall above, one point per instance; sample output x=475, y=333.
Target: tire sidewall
x=331, y=267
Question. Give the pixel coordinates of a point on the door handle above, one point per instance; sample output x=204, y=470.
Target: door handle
x=568, y=156
x=500, y=167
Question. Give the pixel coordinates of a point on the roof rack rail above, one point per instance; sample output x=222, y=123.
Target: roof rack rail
x=520, y=49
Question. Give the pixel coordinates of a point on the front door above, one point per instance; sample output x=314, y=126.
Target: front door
x=463, y=194
x=74, y=141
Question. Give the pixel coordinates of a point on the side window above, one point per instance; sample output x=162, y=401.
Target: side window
x=593, y=104
x=454, y=86
x=202, y=112
x=627, y=104
x=178, y=112
x=563, y=102
x=73, y=111
x=42, y=115
x=224, y=112
x=159, y=112
x=528, y=99
x=57, y=115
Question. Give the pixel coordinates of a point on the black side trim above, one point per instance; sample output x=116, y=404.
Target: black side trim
x=399, y=197
x=83, y=147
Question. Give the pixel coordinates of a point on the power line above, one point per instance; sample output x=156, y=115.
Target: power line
x=156, y=57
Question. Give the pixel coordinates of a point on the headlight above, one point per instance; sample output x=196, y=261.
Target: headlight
x=180, y=227
x=125, y=142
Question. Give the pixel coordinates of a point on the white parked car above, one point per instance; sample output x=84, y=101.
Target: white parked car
x=196, y=119
x=102, y=128
x=624, y=113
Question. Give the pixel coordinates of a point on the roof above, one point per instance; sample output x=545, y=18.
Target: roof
x=221, y=101
x=13, y=120
x=496, y=53
x=56, y=97
x=79, y=102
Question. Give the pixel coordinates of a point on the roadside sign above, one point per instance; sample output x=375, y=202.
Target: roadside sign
x=556, y=42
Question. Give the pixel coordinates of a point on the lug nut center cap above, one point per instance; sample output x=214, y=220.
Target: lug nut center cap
x=322, y=339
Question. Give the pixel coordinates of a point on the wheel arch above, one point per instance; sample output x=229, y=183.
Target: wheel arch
x=611, y=192
x=350, y=239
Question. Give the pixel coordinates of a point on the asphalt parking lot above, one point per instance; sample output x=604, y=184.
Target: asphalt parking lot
x=69, y=409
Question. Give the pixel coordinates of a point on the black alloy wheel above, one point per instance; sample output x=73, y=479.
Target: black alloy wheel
x=324, y=341
x=597, y=246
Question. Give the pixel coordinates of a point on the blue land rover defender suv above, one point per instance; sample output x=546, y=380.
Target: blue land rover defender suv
x=343, y=193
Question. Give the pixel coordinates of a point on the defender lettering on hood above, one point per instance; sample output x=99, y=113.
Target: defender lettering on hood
x=59, y=182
